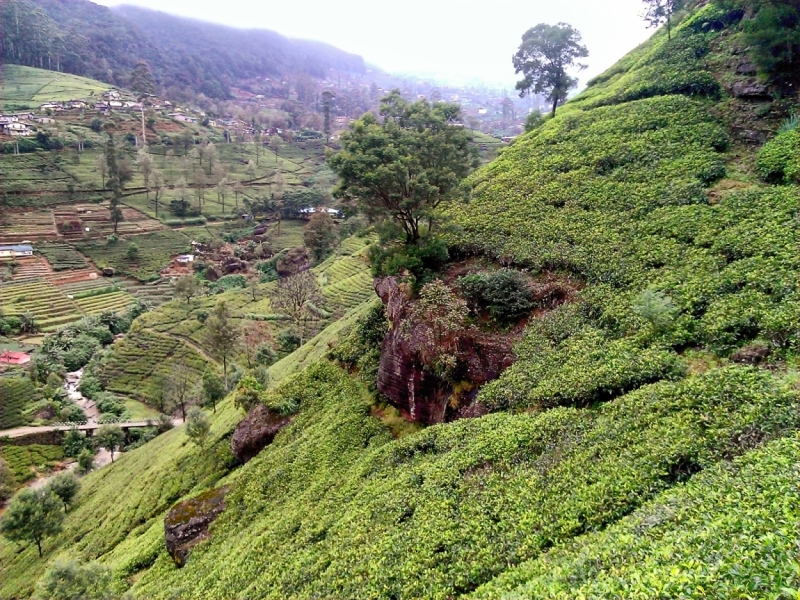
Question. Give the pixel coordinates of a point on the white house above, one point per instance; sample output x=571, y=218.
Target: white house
x=16, y=129
x=16, y=251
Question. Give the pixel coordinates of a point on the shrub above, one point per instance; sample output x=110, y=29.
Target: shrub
x=505, y=294
x=288, y=340
x=779, y=160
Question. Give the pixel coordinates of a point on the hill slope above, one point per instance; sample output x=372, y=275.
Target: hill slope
x=628, y=455
x=27, y=87
x=83, y=38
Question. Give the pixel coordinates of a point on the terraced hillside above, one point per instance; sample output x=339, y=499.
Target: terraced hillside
x=174, y=333
x=643, y=445
x=49, y=306
x=17, y=398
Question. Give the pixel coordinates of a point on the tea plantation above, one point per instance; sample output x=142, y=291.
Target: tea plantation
x=643, y=445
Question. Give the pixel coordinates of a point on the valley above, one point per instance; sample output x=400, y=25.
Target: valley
x=393, y=356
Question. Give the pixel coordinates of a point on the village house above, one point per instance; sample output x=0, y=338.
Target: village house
x=16, y=250
x=115, y=104
x=111, y=95
x=44, y=119
x=15, y=130
x=14, y=358
x=51, y=106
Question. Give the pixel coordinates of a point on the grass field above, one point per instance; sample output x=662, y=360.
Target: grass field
x=27, y=87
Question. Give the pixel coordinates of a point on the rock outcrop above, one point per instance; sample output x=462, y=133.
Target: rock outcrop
x=256, y=431
x=187, y=523
x=419, y=393
x=750, y=88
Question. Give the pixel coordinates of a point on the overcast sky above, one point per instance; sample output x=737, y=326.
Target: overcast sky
x=453, y=38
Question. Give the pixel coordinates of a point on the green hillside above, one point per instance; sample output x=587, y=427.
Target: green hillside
x=643, y=445
x=28, y=87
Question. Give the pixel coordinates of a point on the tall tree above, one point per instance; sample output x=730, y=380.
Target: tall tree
x=158, y=186
x=110, y=437
x=222, y=335
x=142, y=83
x=327, y=107
x=213, y=389
x=181, y=388
x=406, y=166
x=544, y=57
x=145, y=163
x=114, y=181
x=661, y=11
x=320, y=235
x=144, y=87
x=32, y=516
x=292, y=296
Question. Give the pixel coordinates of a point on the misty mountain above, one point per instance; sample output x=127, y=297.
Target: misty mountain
x=83, y=38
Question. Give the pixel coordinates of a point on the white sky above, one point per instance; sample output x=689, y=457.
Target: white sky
x=450, y=39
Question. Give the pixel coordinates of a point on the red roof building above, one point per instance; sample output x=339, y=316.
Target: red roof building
x=14, y=358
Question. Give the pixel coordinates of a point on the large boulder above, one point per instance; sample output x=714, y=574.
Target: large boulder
x=187, y=523
x=256, y=431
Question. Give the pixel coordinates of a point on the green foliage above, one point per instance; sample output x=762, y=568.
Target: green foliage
x=248, y=393
x=421, y=261
x=23, y=459
x=533, y=120
x=155, y=251
x=505, y=294
x=288, y=340
x=109, y=437
x=657, y=309
x=359, y=347
x=71, y=581
x=231, y=282
x=406, y=166
x=213, y=389
x=8, y=483
x=32, y=516
x=197, y=426
x=585, y=368
x=779, y=160
x=75, y=442
x=65, y=486
x=773, y=36
x=439, y=512
x=17, y=398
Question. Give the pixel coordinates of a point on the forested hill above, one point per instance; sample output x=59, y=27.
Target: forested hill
x=82, y=38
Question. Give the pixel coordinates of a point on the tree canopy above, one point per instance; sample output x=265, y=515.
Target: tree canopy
x=32, y=516
x=544, y=57
x=407, y=165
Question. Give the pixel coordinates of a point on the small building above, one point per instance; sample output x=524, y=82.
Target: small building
x=185, y=259
x=16, y=129
x=15, y=251
x=14, y=358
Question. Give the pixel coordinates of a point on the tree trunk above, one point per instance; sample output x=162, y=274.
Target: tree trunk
x=39, y=546
x=555, y=106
